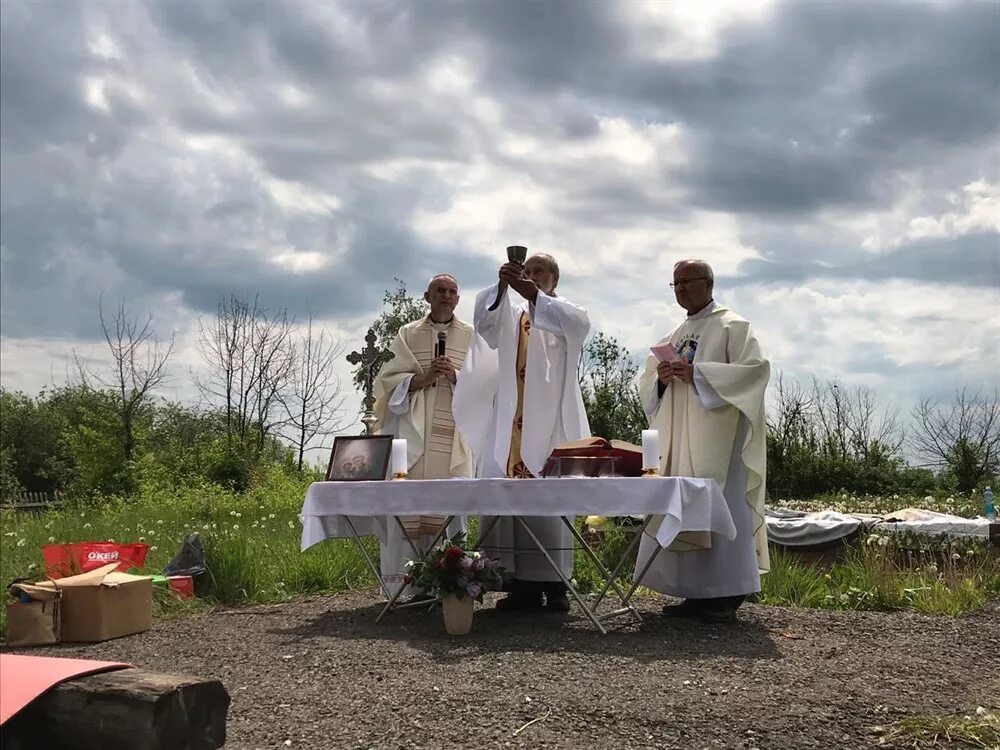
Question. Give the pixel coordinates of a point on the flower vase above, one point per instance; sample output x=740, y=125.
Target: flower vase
x=457, y=613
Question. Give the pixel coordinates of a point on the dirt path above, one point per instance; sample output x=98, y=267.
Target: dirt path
x=320, y=674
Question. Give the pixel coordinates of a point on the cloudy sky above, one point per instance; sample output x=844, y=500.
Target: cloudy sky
x=837, y=163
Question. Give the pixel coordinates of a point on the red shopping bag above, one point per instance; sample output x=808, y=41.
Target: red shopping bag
x=63, y=560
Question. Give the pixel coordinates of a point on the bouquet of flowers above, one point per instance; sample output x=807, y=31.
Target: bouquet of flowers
x=451, y=568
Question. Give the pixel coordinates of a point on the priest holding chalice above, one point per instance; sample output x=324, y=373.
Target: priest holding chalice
x=518, y=399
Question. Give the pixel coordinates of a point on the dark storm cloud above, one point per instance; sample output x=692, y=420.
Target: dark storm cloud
x=815, y=109
x=969, y=260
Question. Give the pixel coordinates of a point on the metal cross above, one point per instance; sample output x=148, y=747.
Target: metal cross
x=371, y=361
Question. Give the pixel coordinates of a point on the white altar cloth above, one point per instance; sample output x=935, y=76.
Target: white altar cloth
x=687, y=504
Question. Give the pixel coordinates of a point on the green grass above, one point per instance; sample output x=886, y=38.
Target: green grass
x=980, y=728
x=251, y=541
x=252, y=549
x=879, y=576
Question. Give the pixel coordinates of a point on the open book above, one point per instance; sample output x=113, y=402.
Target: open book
x=598, y=442
x=629, y=457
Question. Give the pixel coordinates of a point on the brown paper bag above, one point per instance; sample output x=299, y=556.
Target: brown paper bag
x=34, y=623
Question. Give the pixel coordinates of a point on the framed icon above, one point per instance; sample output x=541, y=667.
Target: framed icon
x=359, y=458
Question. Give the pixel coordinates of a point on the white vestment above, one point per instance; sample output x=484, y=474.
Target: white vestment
x=424, y=418
x=486, y=402
x=714, y=428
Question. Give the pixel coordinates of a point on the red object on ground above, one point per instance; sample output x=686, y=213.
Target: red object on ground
x=25, y=678
x=63, y=560
x=183, y=585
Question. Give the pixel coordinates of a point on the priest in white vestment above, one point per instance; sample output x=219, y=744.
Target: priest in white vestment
x=518, y=398
x=413, y=400
x=708, y=405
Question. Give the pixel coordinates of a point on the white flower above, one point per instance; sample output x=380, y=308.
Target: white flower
x=970, y=553
x=932, y=569
x=21, y=542
x=111, y=540
x=883, y=541
x=159, y=522
x=291, y=524
x=142, y=539
x=955, y=556
x=271, y=516
x=153, y=548
x=33, y=566
x=929, y=499
x=206, y=527
x=844, y=598
x=9, y=533
x=151, y=532
x=51, y=539
x=236, y=527
x=980, y=711
x=239, y=515
x=86, y=526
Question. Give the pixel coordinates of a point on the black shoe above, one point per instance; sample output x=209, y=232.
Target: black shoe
x=519, y=603
x=557, y=603
x=687, y=608
x=718, y=615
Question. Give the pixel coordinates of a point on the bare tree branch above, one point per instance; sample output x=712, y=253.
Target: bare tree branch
x=313, y=402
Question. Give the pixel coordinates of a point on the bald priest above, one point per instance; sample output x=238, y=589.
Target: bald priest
x=413, y=400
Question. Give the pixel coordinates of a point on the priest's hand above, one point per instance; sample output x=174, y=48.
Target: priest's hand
x=665, y=372
x=512, y=274
x=683, y=371
x=423, y=380
x=445, y=369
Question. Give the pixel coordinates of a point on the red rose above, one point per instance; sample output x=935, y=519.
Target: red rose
x=454, y=553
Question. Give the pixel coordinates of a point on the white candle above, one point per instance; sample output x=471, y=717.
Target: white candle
x=650, y=449
x=399, y=463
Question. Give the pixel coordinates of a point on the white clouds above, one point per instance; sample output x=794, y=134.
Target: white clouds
x=178, y=152
x=300, y=262
x=978, y=210
x=689, y=29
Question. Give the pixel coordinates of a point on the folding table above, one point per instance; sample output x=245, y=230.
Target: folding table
x=670, y=505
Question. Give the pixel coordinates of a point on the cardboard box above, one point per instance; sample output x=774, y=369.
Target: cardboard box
x=103, y=604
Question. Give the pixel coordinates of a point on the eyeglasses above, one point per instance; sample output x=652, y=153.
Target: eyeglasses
x=685, y=282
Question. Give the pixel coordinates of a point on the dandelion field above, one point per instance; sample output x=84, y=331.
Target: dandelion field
x=252, y=551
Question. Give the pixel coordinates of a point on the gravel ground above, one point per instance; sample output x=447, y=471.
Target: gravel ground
x=320, y=673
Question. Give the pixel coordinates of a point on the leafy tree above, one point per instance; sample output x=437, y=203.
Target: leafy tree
x=398, y=308
x=31, y=438
x=610, y=391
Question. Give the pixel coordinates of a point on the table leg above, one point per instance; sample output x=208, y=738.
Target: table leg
x=368, y=559
x=622, y=562
x=603, y=571
x=418, y=555
x=558, y=571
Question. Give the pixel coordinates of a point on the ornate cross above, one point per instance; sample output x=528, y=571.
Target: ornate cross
x=371, y=360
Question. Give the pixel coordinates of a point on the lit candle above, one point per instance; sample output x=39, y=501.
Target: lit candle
x=650, y=449
x=399, y=463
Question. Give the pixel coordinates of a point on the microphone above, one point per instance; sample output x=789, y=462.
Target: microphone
x=442, y=339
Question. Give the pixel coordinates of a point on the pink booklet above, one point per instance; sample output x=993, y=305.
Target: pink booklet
x=664, y=352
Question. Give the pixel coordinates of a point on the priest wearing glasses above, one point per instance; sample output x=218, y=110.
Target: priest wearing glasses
x=707, y=401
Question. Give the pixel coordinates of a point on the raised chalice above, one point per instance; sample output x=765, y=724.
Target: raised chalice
x=515, y=254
